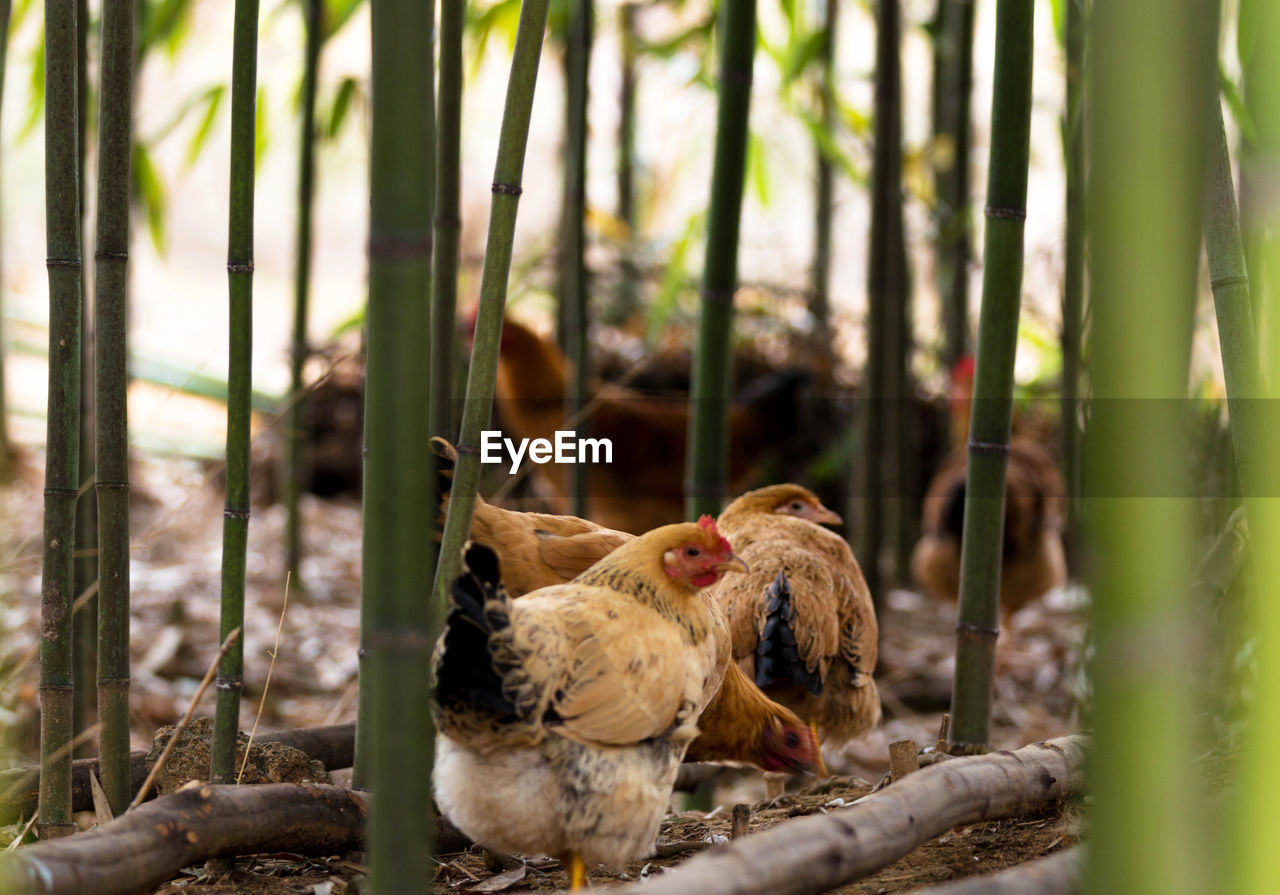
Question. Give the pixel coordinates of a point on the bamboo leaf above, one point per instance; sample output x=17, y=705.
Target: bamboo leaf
x=35, y=107
x=1234, y=97
x=341, y=104
x=151, y=189
x=212, y=100
x=758, y=170
x=260, y=135
x=336, y=14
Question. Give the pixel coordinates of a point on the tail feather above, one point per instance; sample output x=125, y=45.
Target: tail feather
x=466, y=673
x=446, y=458
x=778, y=658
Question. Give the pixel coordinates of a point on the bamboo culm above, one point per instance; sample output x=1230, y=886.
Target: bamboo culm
x=6, y=445
x=707, y=466
x=483, y=374
x=235, y=514
x=1002, y=260
x=111, y=479
x=62, y=447
x=394, y=734
x=1073, y=279
x=295, y=467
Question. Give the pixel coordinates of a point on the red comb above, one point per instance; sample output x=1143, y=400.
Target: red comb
x=708, y=524
x=962, y=370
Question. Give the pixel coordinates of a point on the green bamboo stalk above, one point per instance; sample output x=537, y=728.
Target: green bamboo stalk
x=1256, y=212
x=6, y=444
x=820, y=299
x=1249, y=852
x=952, y=130
x=110, y=288
x=84, y=624
x=883, y=419
x=62, y=237
x=1073, y=263
x=573, y=267
x=448, y=223
x=1150, y=83
x=482, y=376
x=300, y=350
x=394, y=734
x=976, y=624
x=628, y=286
x=235, y=513
x=707, y=466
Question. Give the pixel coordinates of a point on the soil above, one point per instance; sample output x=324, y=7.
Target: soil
x=301, y=643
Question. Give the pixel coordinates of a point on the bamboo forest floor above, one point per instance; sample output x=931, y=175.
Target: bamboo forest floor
x=177, y=521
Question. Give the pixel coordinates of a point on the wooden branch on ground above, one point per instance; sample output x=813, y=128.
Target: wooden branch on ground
x=814, y=854
x=333, y=746
x=1061, y=873
x=154, y=841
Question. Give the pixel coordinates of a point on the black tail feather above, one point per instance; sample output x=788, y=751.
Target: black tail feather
x=777, y=657
x=465, y=673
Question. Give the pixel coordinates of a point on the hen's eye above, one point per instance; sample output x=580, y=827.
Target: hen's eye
x=791, y=739
x=795, y=505
x=692, y=552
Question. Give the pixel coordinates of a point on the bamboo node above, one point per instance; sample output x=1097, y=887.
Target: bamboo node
x=507, y=189
x=240, y=268
x=111, y=486
x=988, y=447
x=1235, y=280
x=58, y=688
x=229, y=513
x=453, y=223
x=977, y=630
x=224, y=684
x=736, y=78
x=72, y=263
x=113, y=679
x=389, y=248
x=470, y=450
x=1005, y=214
x=61, y=492
x=724, y=296
x=110, y=256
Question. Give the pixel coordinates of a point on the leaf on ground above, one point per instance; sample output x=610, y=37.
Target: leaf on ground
x=502, y=881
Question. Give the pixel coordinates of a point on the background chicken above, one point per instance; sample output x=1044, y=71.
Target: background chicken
x=564, y=716
x=1032, y=558
x=643, y=487
x=740, y=724
x=802, y=624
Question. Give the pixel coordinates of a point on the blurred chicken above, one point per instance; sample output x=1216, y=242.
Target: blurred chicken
x=740, y=724
x=563, y=716
x=802, y=624
x=642, y=487
x=1032, y=561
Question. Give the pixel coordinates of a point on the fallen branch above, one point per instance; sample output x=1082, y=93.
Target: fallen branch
x=814, y=854
x=332, y=746
x=153, y=842
x=1061, y=873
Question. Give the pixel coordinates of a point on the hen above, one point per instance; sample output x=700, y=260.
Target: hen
x=740, y=724
x=641, y=488
x=802, y=624
x=563, y=716
x=1032, y=560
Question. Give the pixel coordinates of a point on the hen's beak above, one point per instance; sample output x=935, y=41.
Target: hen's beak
x=820, y=767
x=825, y=516
x=732, y=564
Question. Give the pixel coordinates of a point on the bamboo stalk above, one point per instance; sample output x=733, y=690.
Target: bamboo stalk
x=573, y=268
x=952, y=141
x=824, y=195
x=295, y=471
x=110, y=289
x=1248, y=860
x=1151, y=81
x=84, y=625
x=62, y=237
x=628, y=286
x=512, y=141
x=394, y=734
x=1073, y=281
x=983, y=531
x=448, y=218
x=235, y=514
x=706, y=472
x=6, y=444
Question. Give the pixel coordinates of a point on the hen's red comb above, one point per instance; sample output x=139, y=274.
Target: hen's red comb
x=708, y=524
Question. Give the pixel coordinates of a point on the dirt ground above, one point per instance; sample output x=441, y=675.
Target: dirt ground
x=312, y=629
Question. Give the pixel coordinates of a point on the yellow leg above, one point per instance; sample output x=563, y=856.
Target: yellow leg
x=577, y=871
